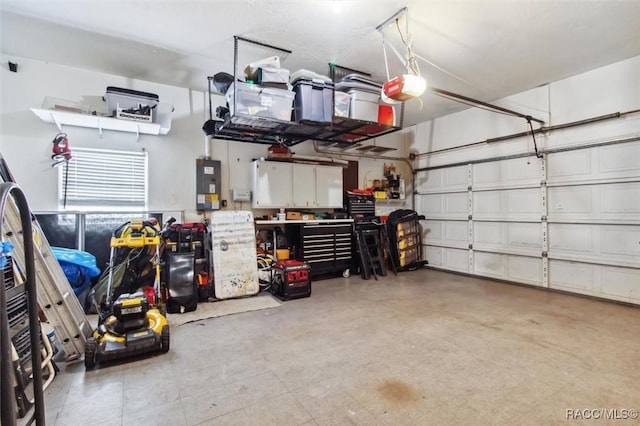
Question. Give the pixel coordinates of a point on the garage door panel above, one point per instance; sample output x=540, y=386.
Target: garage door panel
x=521, y=269
x=572, y=276
x=488, y=233
x=513, y=204
x=443, y=180
x=570, y=223
x=613, y=203
x=506, y=174
x=594, y=164
x=622, y=198
x=432, y=205
x=621, y=241
x=621, y=282
x=569, y=200
x=434, y=255
x=433, y=231
x=568, y=166
x=611, y=282
x=446, y=233
x=456, y=259
x=605, y=244
x=508, y=237
x=619, y=160
x=568, y=238
x=445, y=206
x=526, y=270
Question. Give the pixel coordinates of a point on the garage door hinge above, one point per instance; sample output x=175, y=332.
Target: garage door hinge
x=469, y=188
x=470, y=246
x=543, y=218
x=470, y=217
x=544, y=254
x=543, y=183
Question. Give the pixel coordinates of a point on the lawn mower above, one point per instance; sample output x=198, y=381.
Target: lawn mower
x=132, y=316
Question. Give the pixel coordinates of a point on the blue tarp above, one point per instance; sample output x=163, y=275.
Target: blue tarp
x=79, y=267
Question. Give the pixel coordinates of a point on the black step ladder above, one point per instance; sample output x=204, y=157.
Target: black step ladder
x=371, y=252
x=386, y=248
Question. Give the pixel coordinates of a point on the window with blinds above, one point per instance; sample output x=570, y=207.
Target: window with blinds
x=97, y=179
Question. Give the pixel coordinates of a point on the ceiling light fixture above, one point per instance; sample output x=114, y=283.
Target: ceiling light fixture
x=411, y=84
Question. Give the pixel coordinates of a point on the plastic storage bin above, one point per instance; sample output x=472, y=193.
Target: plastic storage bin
x=273, y=75
x=364, y=105
x=261, y=101
x=117, y=97
x=65, y=105
x=313, y=101
x=341, y=104
x=386, y=115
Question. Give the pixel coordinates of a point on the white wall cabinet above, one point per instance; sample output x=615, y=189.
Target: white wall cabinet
x=271, y=184
x=329, y=192
x=304, y=186
x=293, y=185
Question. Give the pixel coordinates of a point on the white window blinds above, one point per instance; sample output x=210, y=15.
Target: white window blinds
x=104, y=179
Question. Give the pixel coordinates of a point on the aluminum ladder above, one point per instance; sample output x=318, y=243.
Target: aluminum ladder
x=54, y=293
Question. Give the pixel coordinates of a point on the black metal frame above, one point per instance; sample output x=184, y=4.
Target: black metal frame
x=248, y=128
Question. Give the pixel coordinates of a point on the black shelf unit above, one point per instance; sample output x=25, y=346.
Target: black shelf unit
x=261, y=130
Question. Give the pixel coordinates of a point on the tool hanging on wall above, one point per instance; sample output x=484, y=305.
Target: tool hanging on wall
x=62, y=154
x=61, y=149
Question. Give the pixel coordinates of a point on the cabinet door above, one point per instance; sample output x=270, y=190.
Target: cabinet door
x=329, y=186
x=271, y=184
x=304, y=185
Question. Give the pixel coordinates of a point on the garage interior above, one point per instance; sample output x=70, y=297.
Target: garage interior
x=518, y=166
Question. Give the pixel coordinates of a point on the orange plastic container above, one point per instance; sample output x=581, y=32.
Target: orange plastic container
x=386, y=115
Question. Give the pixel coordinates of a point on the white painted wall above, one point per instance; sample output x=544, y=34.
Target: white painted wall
x=25, y=141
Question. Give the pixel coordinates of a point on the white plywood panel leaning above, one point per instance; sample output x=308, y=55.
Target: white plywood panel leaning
x=234, y=258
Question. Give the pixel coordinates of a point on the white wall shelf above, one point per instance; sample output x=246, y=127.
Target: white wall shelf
x=64, y=118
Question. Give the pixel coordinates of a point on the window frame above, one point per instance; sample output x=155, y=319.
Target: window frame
x=135, y=162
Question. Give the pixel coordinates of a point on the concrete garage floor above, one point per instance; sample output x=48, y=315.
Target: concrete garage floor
x=423, y=348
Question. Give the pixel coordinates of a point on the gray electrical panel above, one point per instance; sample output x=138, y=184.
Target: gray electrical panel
x=208, y=182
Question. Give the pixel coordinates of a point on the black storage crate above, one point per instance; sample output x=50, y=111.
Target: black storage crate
x=405, y=239
x=313, y=101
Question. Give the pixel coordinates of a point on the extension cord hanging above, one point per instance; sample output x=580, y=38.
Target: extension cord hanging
x=62, y=154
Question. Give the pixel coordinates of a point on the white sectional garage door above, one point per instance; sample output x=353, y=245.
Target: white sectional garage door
x=569, y=222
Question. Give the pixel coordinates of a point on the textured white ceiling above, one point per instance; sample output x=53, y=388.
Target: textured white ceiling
x=482, y=49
